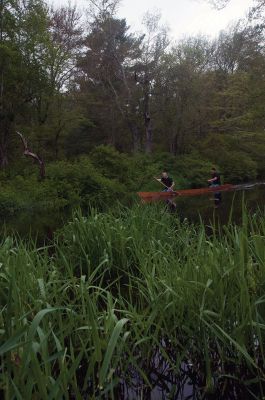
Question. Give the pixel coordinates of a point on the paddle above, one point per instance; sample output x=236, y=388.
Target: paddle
x=158, y=180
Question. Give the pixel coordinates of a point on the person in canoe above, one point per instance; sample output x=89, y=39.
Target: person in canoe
x=168, y=184
x=167, y=181
x=215, y=181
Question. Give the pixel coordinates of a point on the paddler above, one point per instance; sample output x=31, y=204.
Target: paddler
x=167, y=181
x=168, y=184
x=215, y=181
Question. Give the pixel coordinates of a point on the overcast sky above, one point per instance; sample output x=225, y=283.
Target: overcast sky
x=184, y=17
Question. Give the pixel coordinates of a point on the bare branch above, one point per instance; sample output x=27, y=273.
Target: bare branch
x=29, y=153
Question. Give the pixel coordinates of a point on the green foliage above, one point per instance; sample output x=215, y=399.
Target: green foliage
x=27, y=193
x=71, y=89
x=145, y=168
x=165, y=161
x=112, y=164
x=80, y=182
x=194, y=169
x=122, y=289
x=237, y=167
x=9, y=203
x=239, y=159
x=253, y=144
x=107, y=176
x=67, y=184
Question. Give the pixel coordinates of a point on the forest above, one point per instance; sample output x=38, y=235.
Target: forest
x=110, y=297
x=93, y=98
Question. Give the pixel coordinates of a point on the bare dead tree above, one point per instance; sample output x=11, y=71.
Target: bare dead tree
x=255, y=9
x=152, y=48
x=29, y=153
x=98, y=9
x=145, y=82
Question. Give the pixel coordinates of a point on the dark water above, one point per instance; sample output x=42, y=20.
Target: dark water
x=42, y=224
x=38, y=225
x=230, y=208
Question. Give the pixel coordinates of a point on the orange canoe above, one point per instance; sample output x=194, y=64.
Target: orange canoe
x=153, y=196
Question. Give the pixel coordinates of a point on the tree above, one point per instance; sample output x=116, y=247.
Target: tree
x=108, y=69
x=256, y=12
x=238, y=63
x=219, y=4
x=62, y=52
x=185, y=83
x=23, y=27
x=153, y=48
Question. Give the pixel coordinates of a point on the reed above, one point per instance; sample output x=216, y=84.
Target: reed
x=118, y=295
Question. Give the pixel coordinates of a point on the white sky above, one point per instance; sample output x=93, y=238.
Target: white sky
x=184, y=17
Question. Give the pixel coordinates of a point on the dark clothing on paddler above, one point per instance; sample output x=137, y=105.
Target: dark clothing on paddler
x=216, y=181
x=167, y=181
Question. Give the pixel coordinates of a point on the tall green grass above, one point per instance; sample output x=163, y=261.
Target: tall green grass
x=115, y=291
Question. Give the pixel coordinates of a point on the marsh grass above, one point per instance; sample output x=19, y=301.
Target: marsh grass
x=125, y=292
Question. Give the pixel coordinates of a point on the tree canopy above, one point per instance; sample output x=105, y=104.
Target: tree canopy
x=71, y=85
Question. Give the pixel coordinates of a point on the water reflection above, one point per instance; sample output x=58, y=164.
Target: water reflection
x=229, y=208
x=207, y=208
x=188, y=383
x=38, y=225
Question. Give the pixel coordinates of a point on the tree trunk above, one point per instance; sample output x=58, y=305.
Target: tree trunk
x=112, y=130
x=147, y=118
x=149, y=134
x=176, y=144
x=56, y=141
x=5, y=129
x=3, y=155
x=173, y=149
x=5, y=119
x=56, y=145
x=136, y=138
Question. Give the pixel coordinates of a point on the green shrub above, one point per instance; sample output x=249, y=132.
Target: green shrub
x=193, y=169
x=235, y=159
x=166, y=161
x=107, y=176
x=112, y=164
x=80, y=182
x=237, y=167
x=9, y=203
x=253, y=144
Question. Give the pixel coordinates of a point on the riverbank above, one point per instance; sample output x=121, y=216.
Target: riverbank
x=115, y=293
x=106, y=177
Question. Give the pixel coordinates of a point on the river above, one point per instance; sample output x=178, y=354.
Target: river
x=41, y=225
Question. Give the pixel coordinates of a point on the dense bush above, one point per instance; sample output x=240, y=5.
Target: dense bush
x=194, y=169
x=112, y=164
x=27, y=193
x=253, y=144
x=66, y=184
x=107, y=176
x=81, y=182
x=238, y=156
x=236, y=167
